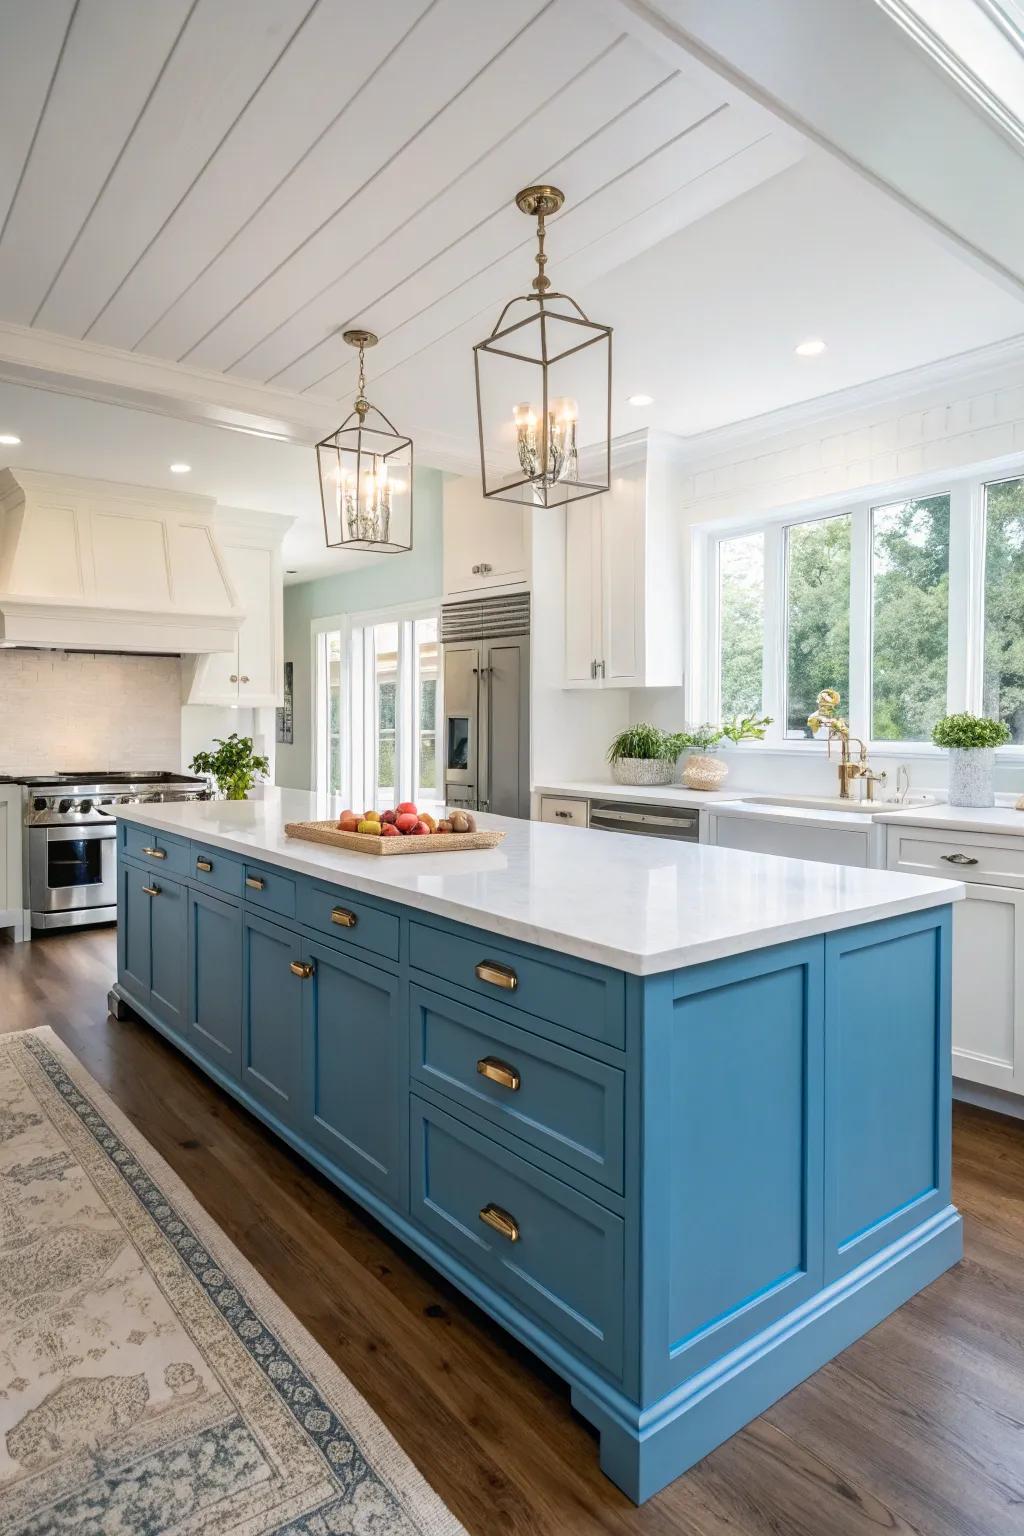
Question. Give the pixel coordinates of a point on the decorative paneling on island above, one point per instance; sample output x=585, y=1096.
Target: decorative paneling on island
x=684, y=1182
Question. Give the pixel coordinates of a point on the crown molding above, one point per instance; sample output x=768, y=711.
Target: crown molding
x=65, y=365
x=970, y=372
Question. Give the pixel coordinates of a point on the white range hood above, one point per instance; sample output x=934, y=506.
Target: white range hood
x=95, y=565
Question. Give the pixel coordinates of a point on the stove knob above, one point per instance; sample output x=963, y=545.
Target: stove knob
x=64, y=807
x=85, y=806
x=39, y=804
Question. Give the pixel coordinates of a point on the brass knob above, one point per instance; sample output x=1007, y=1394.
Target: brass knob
x=302, y=968
x=243, y=678
x=151, y=890
x=343, y=917
x=499, y=1072
x=255, y=883
x=493, y=1216
x=155, y=853
x=204, y=866
x=233, y=678
x=497, y=975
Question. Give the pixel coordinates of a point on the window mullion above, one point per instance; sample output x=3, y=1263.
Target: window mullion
x=773, y=684
x=965, y=682
x=859, y=702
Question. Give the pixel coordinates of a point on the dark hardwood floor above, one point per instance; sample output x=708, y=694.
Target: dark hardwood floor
x=919, y=1428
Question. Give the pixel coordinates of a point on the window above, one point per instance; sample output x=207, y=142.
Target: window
x=741, y=623
x=911, y=607
x=1004, y=605
x=817, y=616
x=378, y=702
x=910, y=618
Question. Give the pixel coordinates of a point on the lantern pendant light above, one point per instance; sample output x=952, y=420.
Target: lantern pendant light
x=366, y=475
x=543, y=389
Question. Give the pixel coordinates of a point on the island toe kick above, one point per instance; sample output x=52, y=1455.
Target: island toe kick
x=684, y=1191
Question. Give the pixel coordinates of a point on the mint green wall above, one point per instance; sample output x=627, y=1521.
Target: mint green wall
x=412, y=578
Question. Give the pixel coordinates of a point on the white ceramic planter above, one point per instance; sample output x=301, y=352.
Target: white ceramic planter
x=642, y=771
x=970, y=776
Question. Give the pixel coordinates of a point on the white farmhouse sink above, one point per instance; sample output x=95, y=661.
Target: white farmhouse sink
x=834, y=803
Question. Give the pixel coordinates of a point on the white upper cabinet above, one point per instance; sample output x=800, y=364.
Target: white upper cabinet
x=250, y=673
x=485, y=542
x=623, y=580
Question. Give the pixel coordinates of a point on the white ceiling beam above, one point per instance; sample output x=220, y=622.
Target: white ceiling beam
x=847, y=77
x=71, y=367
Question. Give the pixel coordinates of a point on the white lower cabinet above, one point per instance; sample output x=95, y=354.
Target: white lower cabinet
x=988, y=945
x=11, y=902
x=988, y=987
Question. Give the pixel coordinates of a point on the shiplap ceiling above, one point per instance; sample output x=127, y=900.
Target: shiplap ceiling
x=228, y=183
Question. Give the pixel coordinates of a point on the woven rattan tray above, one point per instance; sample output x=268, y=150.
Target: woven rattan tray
x=363, y=842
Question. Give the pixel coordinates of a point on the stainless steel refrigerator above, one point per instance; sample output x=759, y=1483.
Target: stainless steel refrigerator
x=487, y=704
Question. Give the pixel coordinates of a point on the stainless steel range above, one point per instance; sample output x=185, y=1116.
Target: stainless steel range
x=70, y=850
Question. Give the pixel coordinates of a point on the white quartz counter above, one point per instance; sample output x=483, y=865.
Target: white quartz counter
x=954, y=818
x=638, y=904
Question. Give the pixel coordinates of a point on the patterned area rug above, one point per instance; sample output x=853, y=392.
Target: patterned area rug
x=149, y=1380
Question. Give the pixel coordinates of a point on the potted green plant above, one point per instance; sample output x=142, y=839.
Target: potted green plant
x=971, y=741
x=644, y=755
x=703, y=771
x=234, y=765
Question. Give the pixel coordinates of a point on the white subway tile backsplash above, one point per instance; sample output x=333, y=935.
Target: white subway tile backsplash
x=77, y=709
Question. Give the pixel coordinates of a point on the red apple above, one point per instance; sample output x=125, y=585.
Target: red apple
x=388, y=829
x=420, y=830
x=406, y=821
x=406, y=809
x=388, y=816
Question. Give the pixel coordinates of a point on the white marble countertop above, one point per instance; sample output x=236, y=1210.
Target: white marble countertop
x=639, y=904
x=954, y=818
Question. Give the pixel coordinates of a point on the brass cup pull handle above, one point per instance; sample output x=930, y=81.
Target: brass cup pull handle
x=493, y=1216
x=151, y=890
x=499, y=1072
x=343, y=917
x=255, y=883
x=957, y=858
x=155, y=853
x=497, y=975
x=302, y=968
x=204, y=866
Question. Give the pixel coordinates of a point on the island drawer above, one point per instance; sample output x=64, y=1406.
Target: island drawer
x=169, y=854
x=269, y=888
x=544, y=1245
x=347, y=920
x=559, y=1101
x=217, y=870
x=977, y=857
x=579, y=996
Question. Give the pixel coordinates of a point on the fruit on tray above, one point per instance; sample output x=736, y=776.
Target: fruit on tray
x=405, y=821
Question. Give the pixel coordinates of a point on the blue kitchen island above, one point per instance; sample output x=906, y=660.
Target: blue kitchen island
x=677, y=1116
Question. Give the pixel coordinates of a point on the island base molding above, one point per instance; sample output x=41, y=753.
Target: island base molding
x=683, y=1192
x=644, y=1452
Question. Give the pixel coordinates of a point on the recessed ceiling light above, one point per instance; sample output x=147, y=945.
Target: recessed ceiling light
x=641, y=400
x=181, y=469
x=812, y=347
x=9, y=440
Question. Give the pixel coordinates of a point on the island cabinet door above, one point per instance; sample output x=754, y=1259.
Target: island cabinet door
x=356, y=1081
x=134, y=949
x=169, y=940
x=273, y=962
x=215, y=980
x=733, y=1156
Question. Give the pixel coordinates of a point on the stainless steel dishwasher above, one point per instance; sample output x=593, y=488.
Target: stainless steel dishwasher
x=675, y=821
